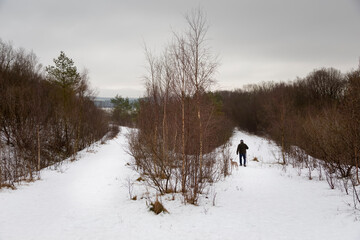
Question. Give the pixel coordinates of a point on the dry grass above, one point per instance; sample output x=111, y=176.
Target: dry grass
x=170, y=190
x=140, y=179
x=6, y=185
x=157, y=207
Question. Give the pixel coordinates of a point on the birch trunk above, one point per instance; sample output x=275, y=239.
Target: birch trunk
x=183, y=142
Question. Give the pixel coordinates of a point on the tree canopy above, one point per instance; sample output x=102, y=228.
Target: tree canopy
x=64, y=73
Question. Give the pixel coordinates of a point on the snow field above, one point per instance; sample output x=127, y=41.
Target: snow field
x=89, y=199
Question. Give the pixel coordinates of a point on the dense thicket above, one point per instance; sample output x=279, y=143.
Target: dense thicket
x=180, y=123
x=319, y=114
x=42, y=121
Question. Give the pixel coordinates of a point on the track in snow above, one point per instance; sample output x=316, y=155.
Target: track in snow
x=89, y=200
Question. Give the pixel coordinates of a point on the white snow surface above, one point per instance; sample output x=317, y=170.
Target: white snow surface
x=89, y=199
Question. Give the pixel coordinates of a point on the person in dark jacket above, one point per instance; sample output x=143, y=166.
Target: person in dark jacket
x=241, y=150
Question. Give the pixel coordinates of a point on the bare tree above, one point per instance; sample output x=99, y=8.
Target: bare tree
x=181, y=89
x=201, y=68
x=352, y=121
x=32, y=117
x=177, y=103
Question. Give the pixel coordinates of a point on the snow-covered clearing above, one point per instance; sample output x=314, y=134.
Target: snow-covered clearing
x=88, y=199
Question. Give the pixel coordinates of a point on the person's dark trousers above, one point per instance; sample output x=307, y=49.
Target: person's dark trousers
x=244, y=157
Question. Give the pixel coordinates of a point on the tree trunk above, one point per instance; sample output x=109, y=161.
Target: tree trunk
x=164, y=126
x=65, y=121
x=0, y=166
x=38, y=148
x=200, y=141
x=183, y=179
x=283, y=134
x=357, y=164
x=164, y=148
x=198, y=178
x=76, y=147
x=283, y=147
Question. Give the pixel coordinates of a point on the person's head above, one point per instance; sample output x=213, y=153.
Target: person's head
x=241, y=141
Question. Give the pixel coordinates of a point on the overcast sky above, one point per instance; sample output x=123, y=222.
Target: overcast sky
x=256, y=40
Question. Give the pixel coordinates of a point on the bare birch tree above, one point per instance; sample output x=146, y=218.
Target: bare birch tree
x=201, y=68
x=180, y=76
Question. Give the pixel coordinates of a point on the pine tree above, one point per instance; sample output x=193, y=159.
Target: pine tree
x=64, y=73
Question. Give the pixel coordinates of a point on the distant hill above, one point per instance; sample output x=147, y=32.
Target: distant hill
x=103, y=102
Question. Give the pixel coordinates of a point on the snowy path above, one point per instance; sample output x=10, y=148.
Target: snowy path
x=88, y=200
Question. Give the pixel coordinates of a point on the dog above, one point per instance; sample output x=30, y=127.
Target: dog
x=234, y=165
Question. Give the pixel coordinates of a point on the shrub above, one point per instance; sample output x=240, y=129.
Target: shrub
x=157, y=207
x=140, y=179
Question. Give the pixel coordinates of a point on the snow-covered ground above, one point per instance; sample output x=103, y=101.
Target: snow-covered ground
x=89, y=199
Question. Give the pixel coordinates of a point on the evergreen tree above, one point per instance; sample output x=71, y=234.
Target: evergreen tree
x=64, y=73
x=123, y=110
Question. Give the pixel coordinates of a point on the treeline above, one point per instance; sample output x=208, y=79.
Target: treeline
x=45, y=117
x=320, y=114
x=125, y=111
x=179, y=122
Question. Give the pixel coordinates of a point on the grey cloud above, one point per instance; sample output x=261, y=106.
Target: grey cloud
x=257, y=40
